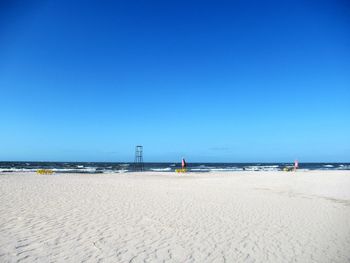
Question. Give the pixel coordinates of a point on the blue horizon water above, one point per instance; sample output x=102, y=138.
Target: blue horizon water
x=212, y=81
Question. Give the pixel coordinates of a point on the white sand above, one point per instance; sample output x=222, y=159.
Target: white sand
x=156, y=217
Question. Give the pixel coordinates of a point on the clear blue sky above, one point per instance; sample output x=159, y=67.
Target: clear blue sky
x=215, y=81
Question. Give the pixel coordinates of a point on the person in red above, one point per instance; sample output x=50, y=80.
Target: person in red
x=296, y=165
x=183, y=164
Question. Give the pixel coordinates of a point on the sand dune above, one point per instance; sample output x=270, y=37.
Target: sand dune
x=165, y=217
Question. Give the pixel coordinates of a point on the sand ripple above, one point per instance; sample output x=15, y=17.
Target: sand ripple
x=245, y=217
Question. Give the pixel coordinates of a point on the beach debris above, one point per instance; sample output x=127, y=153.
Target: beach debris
x=44, y=171
x=288, y=169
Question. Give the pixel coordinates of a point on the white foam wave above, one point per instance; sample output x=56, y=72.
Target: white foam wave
x=72, y=170
x=199, y=169
x=328, y=165
x=11, y=170
x=232, y=169
x=343, y=167
x=214, y=169
x=161, y=169
x=262, y=168
x=57, y=170
x=115, y=171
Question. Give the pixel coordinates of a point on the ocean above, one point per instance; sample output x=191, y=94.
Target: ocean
x=115, y=167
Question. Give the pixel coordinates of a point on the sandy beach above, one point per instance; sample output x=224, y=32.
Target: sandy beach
x=166, y=217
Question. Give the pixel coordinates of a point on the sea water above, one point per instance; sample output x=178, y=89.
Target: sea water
x=117, y=167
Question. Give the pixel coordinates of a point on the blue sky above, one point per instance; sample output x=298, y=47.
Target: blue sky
x=214, y=81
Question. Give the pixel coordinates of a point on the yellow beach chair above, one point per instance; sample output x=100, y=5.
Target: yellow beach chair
x=181, y=170
x=44, y=171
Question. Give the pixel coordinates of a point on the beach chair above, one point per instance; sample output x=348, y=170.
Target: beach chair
x=181, y=170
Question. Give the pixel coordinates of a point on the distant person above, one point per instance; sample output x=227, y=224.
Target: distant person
x=183, y=164
x=296, y=165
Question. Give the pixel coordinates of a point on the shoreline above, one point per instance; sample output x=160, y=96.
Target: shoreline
x=188, y=172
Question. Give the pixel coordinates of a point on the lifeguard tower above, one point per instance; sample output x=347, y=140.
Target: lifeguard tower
x=138, y=163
